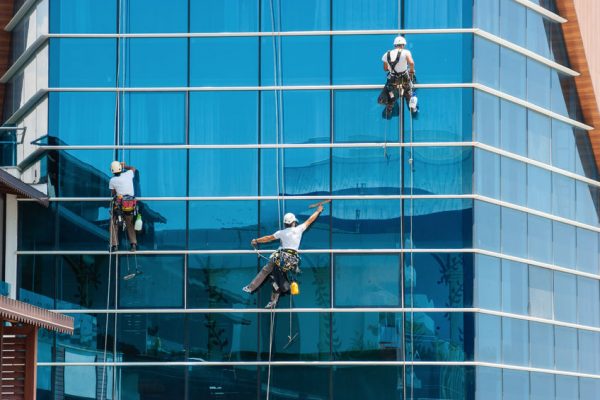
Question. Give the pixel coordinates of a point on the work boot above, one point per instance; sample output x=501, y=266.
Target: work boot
x=246, y=289
x=133, y=247
x=271, y=304
x=114, y=248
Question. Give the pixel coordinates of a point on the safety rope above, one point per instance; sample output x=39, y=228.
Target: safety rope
x=110, y=239
x=412, y=264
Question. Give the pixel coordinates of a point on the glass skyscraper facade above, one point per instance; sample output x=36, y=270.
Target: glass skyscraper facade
x=458, y=258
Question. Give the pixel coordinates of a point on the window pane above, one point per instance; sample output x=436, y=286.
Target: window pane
x=207, y=67
x=159, y=282
x=290, y=15
x=301, y=171
x=361, y=57
x=487, y=282
x=434, y=334
x=224, y=16
x=486, y=16
x=542, y=386
x=540, y=292
x=82, y=62
x=563, y=204
x=515, y=342
x=539, y=235
x=566, y=387
x=564, y=244
x=587, y=198
x=538, y=83
x=514, y=232
x=83, y=16
x=487, y=63
x=488, y=337
x=155, y=62
x=80, y=173
x=515, y=384
x=487, y=226
x=224, y=172
x=513, y=22
x=151, y=337
x=163, y=227
x=172, y=382
x=565, y=295
x=487, y=118
x=589, y=348
x=587, y=251
x=141, y=16
x=488, y=384
x=513, y=131
x=438, y=170
x=437, y=14
x=513, y=181
x=539, y=189
x=365, y=14
x=588, y=388
x=514, y=287
x=367, y=281
x=541, y=339
x=565, y=348
x=365, y=171
x=539, y=137
x=563, y=146
x=161, y=172
x=513, y=67
x=487, y=173
x=70, y=111
x=368, y=336
x=153, y=118
x=588, y=301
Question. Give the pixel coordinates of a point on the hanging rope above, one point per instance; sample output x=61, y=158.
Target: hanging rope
x=412, y=265
x=110, y=237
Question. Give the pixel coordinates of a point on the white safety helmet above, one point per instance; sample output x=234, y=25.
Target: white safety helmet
x=289, y=218
x=116, y=167
x=399, y=41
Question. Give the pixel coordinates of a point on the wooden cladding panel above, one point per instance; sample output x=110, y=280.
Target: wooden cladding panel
x=18, y=353
x=579, y=61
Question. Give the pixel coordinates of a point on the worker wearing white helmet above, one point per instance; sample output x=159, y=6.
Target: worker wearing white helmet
x=400, y=66
x=286, y=257
x=121, y=186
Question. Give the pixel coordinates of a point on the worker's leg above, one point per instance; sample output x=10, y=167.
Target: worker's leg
x=274, y=299
x=130, y=229
x=114, y=232
x=260, y=277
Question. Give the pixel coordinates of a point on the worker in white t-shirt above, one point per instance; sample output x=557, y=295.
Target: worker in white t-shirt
x=289, y=238
x=400, y=67
x=121, y=186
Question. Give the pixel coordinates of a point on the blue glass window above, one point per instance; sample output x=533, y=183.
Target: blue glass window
x=291, y=15
x=487, y=118
x=212, y=122
x=488, y=282
x=514, y=287
x=171, y=382
x=301, y=60
x=304, y=116
x=589, y=348
x=540, y=292
x=82, y=62
x=514, y=232
x=438, y=170
x=224, y=172
x=488, y=336
x=70, y=111
x=445, y=115
x=486, y=66
x=538, y=83
x=538, y=33
x=487, y=172
x=149, y=16
x=539, y=235
x=488, y=381
x=486, y=16
x=563, y=244
x=224, y=16
x=513, y=70
x=81, y=173
x=211, y=62
x=159, y=285
x=586, y=198
x=513, y=20
x=153, y=118
x=588, y=388
x=565, y=348
x=161, y=172
x=565, y=295
x=358, y=118
x=164, y=227
x=513, y=128
x=487, y=226
x=366, y=224
x=438, y=331
x=541, y=339
x=539, y=137
x=563, y=204
x=513, y=181
x=233, y=226
x=357, y=58
x=539, y=189
x=453, y=51
x=365, y=14
x=566, y=387
x=515, y=342
x=301, y=171
x=563, y=146
x=542, y=386
x=437, y=14
x=588, y=301
x=83, y=16
x=365, y=171
x=587, y=251
x=515, y=384
x=367, y=281
x=155, y=62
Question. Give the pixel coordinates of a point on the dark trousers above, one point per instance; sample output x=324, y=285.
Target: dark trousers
x=130, y=230
x=260, y=278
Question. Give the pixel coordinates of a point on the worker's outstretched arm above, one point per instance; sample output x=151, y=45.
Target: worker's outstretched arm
x=128, y=167
x=314, y=216
x=264, y=239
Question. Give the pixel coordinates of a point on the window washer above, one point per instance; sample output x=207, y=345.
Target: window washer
x=285, y=258
x=124, y=204
x=401, y=76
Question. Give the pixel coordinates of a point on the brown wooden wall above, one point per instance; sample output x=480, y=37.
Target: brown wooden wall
x=583, y=46
x=6, y=13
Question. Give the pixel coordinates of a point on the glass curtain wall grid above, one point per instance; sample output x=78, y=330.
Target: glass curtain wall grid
x=458, y=259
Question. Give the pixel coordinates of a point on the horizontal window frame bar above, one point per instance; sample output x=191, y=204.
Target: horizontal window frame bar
x=340, y=310
x=23, y=60
x=543, y=11
x=477, y=86
x=475, y=251
x=20, y=14
x=315, y=364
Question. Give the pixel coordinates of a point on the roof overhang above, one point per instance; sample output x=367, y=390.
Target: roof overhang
x=11, y=185
x=17, y=311
x=584, y=83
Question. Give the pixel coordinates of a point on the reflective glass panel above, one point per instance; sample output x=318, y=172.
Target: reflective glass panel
x=563, y=204
x=485, y=16
x=513, y=21
x=290, y=15
x=155, y=62
x=438, y=170
x=242, y=378
x=161, y=173
x=486, y=66
x=563, y=244
x=588, y=388
x=153, y=118
x=513, y=181
x=161, y=382
x=83, y=62
x=538, y=83
x=487, y=173
x=488, y=338
x=538, y=33
x=588, y=301
x=488, y=282
x=541, y=339
x=296, y=171
x=565, y=348
x=542, y=386
x=224, y=16
x=563, y=146
x=211, y=63
x=488, y=383
x=149, y=16
x=359, y=58
x=486, y=118
x=513, y=67
x=224, y=172
x=163, y=226
x=515, y=342
x=539, y=189
x=437, y=14
x=539, y=137
x=514, y=232
x=515, y=384
x=565, y=295
x=83, y=16
x=566, y=387
x=365, y=14
x=589, y=348
x=487, y=226
x=513, y=128
x=587, y=198
x=514, y=287
x=587, y=251
x=540, y=292
x=539, y=238
x=439, y=337
x=364, y=171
